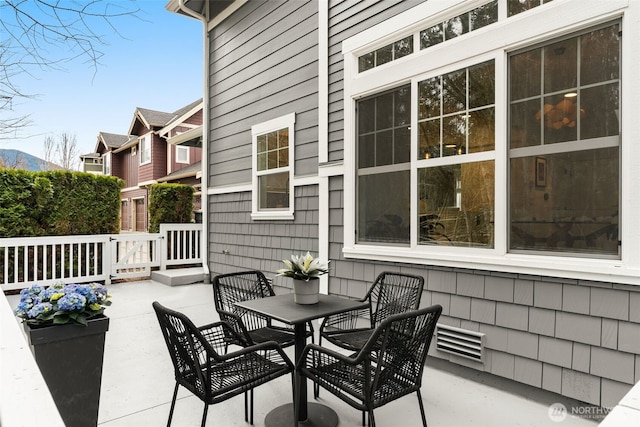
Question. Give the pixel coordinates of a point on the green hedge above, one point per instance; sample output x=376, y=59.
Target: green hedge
x=169, y=204
x=58, y=203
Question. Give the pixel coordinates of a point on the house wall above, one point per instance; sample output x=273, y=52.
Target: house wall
x=237, y=243
x=158, y=166
x=127, y=167
x=347, y=19
x=264, y=64
x=577, y=338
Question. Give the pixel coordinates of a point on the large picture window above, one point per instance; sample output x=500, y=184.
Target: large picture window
x=510, y=148
x=564, y=145
x=273, y=168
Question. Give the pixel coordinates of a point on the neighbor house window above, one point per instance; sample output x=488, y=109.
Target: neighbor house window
x=564, y=144
x=273, y=143
x=106, y=163
x=182, y=154
x=145, y=149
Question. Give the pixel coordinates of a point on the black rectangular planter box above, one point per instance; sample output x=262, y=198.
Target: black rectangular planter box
x=70, y=360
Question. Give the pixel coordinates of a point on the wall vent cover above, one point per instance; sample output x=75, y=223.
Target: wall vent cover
x=461, y=342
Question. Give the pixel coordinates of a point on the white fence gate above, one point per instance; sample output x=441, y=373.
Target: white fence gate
x=104, y=257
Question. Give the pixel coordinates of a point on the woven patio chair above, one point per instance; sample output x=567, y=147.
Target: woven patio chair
x=201, y=367
x=391, y=293
x=253, y=328
x=389, y=366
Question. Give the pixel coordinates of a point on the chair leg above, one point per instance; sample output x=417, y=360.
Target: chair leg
x=173, y=404
x=204, y=414
x=246, y=407
x=372, y=419
x=251, y=407
x=424, y=418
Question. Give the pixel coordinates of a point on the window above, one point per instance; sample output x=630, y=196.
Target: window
x=385, y=54
x=182, y=154
x=564, y=145
x=503, y=150
x=145, y=149
x=456, y=119
x=383, y=167
x=273, y=143
x=459, y=25
x=518, y=6
x=106, y=163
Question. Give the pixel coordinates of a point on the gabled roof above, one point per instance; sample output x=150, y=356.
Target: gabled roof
x=154, y=118
x=112, y=140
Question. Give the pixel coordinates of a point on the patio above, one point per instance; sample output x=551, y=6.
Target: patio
x=138, y=380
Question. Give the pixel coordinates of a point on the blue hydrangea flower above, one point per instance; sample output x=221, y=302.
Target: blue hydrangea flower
x=43, y=307
x=72, y=302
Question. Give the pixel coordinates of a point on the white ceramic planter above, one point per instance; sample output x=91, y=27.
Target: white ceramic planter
x=306, y=292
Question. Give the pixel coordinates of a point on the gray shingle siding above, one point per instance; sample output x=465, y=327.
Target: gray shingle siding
x=238, y=243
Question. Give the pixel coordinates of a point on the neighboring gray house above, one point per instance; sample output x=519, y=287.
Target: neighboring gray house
x=485, y=145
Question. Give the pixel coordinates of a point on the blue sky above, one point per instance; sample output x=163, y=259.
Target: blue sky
x=156, y=64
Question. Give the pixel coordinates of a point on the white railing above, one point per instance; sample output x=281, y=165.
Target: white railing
x=104, y=257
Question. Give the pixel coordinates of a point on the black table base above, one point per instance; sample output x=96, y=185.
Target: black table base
x=317, y=415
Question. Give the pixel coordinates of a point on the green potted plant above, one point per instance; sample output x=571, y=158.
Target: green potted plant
x=66, y=326
x=305, y=272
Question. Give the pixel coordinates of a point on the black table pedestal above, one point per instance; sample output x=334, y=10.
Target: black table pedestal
x=317, y=415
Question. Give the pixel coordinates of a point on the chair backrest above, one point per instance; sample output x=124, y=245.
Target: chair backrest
x=401, y=343
x=240, y=286
x=394, y=293
x=185, y=348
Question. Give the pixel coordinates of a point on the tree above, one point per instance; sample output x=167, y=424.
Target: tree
x=63, y=151
x=33, y=30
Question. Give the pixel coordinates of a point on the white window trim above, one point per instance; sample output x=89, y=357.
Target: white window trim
x=147, y=137
x=185, y=149
x=106, y=163
x=494, y=42
x=287, y=121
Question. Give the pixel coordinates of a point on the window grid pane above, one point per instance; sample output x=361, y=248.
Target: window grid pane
x=566, y=200
x=452, y=127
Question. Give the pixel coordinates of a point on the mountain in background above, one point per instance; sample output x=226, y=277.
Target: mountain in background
x=16, y=159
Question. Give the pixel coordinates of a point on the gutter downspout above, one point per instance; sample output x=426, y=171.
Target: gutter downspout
x=204, y=241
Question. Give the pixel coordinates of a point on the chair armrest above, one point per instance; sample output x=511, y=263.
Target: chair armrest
x=318, y=350
x=345, y=321
x=261, y=347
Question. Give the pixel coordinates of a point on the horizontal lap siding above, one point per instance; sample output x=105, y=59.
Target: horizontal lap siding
x=263, y=65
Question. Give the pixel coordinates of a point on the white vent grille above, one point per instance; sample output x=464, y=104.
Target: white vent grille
x=460, y=342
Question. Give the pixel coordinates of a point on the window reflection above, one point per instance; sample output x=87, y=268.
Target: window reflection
x=565, y=196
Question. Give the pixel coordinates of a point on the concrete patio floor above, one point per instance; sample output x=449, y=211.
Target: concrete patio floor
x=138, y=381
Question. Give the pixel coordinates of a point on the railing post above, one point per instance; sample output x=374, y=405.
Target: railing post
x=107, y=257
x=162, y=242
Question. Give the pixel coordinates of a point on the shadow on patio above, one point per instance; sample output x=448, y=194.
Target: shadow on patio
x=138, y=381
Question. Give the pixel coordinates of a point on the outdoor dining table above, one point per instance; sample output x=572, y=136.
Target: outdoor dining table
x=284, y=309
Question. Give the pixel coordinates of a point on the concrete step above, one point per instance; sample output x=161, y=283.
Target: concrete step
x=180, y=276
